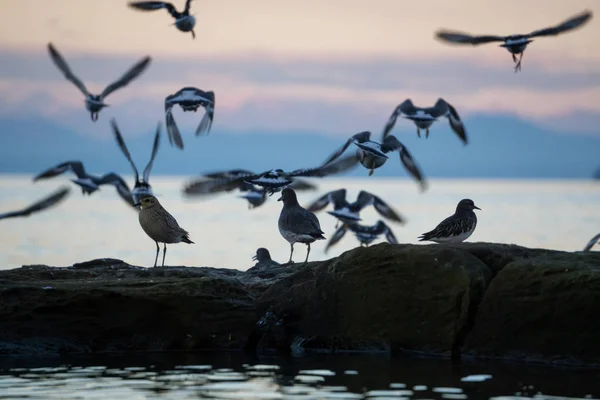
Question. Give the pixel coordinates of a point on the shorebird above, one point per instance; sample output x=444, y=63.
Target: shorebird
x=424, y=117
x=373, y=155
x=296, y=224
x=94, y=102
x=349, y=213
x=184, y=21
x=456, y=228
x=592, y=242
x=43, y=204
x=160, y=226
x=515, y=44
x=189, y=99
x=142, y=185
x=263, y=259
x=365, y=234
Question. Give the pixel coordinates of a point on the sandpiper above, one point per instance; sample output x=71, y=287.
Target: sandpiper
x=93, y=102
x=142, y=184
x=424, y=117
x=184, y=21
x=373, y=155
x=189, y=99
x=296, y=224
x=160, y=226
x=263, y=259
x=515, y=44
x=456, y=228
x=43, y=204
x=592, y=242
x=365, y=234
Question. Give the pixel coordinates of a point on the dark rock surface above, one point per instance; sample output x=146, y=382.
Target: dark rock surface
x=469, y=299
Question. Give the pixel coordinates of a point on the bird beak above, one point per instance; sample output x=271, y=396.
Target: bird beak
x=477, y=208
x=280, y=198
x=137, y=205
x=255, y=258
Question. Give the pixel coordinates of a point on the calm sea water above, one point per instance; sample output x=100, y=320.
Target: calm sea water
x=560, y=215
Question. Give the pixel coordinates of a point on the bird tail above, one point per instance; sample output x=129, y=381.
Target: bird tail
x=186, y=239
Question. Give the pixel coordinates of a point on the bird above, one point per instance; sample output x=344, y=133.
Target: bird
x=365, y=234
x=424, y=117
x=592, y=242
x=515, y=44
x=296, y=224
x=184, y=21
x=349, y=213
x=263, y=259
x=456, y=228
x=373, y=155
x=49, y=201
x=93, y=102
x=160, y=226
x=189, y=99
x=142, y=184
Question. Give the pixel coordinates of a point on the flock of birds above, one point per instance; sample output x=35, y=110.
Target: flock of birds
x=296, y=223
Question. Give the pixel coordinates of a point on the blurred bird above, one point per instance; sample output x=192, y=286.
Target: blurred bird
x=364, y=233
x=263, y=259
x=456, y=228
x=41, y=205
x=515, y=44
x=424, y=117
x=94, y=103
x=592, y=242
x=184, y=21
x=189, y=99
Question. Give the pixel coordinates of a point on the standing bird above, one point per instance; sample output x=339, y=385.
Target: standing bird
x=456, y=228
x=592, y=242
x=43, y=204
x=263, y=259
x=142, y=185
x=296, y=224
x=364, y=233
x=424, y=117
x=189, y=99
x=160, y=225
x=93, y=102
x=183, y=20
x=515, y=44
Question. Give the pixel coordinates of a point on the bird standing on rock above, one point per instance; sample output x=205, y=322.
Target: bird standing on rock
x=456, y=228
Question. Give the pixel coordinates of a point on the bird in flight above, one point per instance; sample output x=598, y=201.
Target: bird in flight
x=184, y=21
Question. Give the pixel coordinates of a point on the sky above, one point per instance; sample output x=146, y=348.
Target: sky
x=333, y=67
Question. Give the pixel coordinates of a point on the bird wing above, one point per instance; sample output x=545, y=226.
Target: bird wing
x=456, y=123
x=392, y=144
x=337, y=236
x=592, y=242
x=456, y=37
x=335, y=167
x=130, y=75
x=43, y=204
x=406, y=107
x=337, y=197
x=451, y=226
x=62, y=65
x=123, y=147
x=565, y=26
x=206, y=122
x=389, y=235
x=188, y=4
x=173, y=132
x=301, y=184
x=302, y=221
x=232, y=173
x=365, y=198
x=154, y=5
x=153, y=155
x=205, y=186
x=119, y=183
x=75, y=166
x=359, y=137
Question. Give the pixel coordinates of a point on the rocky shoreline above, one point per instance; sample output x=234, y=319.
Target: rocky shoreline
x=474, y=300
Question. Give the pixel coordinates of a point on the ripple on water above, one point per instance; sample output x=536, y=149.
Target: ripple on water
x=476, y=378
x=321, y=372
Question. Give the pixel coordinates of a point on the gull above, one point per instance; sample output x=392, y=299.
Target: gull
x=142, y=185
x=365, y=234
x=592, y=242
x=43, y=204
x=183, y=20
x=94, y=103
x=424, y=117
x=373, y=155
x=189, y=99
x=457, y=227
x=515, y=44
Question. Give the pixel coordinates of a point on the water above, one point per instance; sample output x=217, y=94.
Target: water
x=550, y=214
x=234, y=376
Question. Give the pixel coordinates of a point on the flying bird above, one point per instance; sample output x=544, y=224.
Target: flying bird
x=457, y=227
x=365, y=234
x=189, y=99
x=592, y=242
x=515, y=44
x=184, y=21
x=424, y=117
x=142, y=184
x=41, y=205
x=94, y=103
x=373, y=155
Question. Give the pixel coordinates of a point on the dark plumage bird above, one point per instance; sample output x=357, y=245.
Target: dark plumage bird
x=515, y=44
x=456, y=228
x=296, y=224
x=592, y=242
x=41, y=205
x=189, y=99
x=365, y=234
x=424, y=117
x=263, y=259
x=373, y=155
x=142, y=184
x=94, y=102
x=184, y=21
x=349, y=213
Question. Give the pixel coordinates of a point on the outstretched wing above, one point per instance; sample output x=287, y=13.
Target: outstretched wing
x=335, y=167
x=205, y=186
x=173, y=131
x=337, y=197
x=130, y=75
x=119, y=183
x=43, y=204
x=188, y=3
x=456, y=37
x=359, y=137
x=229, y=174
x=154, y=5
x=301, y=184
x=206, y=122
x=337, y=236
x=392, y=144
x=365, y=198
x=154, y=151
x=389, y=235
x=572, y=23
x=592, y=242
x=62, y=65
x=75, y=166
x=443, y=108
x=123, y=147
x=406, y=108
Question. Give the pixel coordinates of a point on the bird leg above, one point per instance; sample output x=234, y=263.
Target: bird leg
x=94, y=116
x=307, y=252
x=157, y=251
x=518, y=61
x=291, y=252
x=418, y=131
x=164, y=253
x=427, y=133
x=193, y=34
x=371, y=171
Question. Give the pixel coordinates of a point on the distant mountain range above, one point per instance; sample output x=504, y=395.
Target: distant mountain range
x=500, y=147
